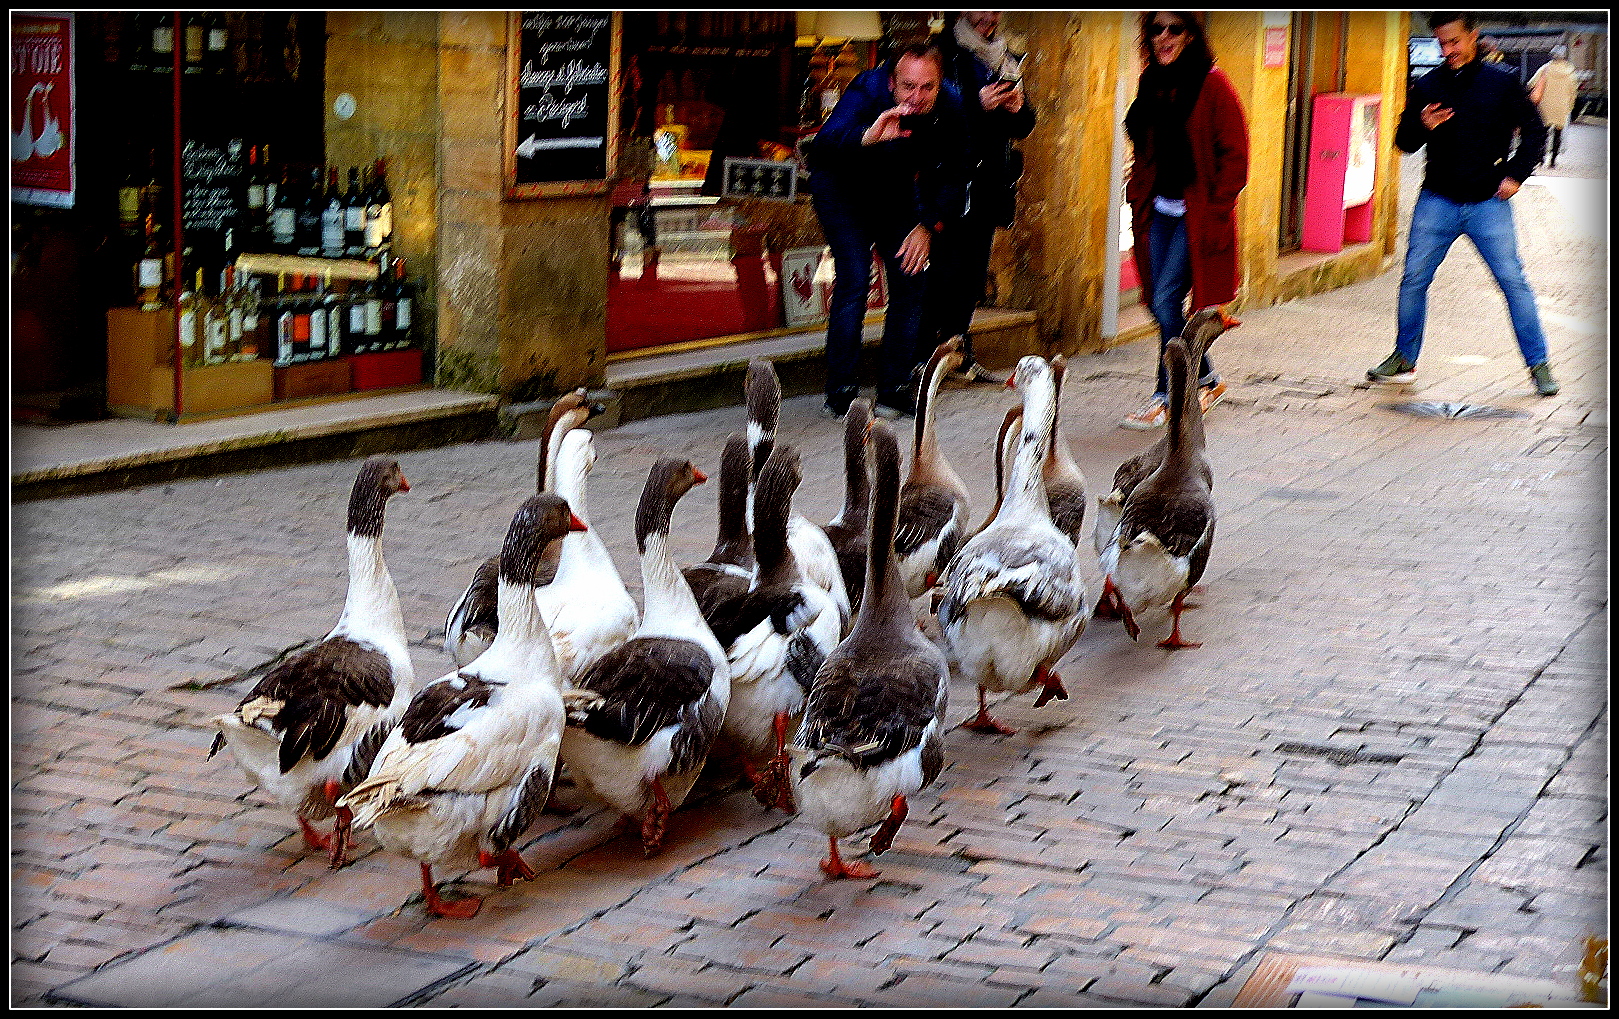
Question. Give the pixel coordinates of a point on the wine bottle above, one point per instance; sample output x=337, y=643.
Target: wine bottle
x=354, y=217
x=336, y=315
x=284, y=220
x=162, y=51
x=196, y=42
x=378, y=212
x=214, y=326
x=270, y=177
x=130, y=206
x=332, y=244
x=301, y=321
x=190, y=354
x=216, y=59
x=283, y=323
x=388, y=301
x=149, y=270
x=255, y=211
x=405, y=308
x=310, y=206
x=354, y=334
x=373, y=317
x=316, y=303
x=254, y=331
x=140, y=44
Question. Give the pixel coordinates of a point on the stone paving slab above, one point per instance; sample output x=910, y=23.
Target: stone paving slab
x=1392, y=745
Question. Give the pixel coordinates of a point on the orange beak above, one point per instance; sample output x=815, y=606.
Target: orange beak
x=698, y=477
x=404, y=486
x=1011, y=381
x=1228, y=321
x=575, y=524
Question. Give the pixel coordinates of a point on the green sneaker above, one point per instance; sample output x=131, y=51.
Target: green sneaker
x=1541, y=374
x=1393, y=369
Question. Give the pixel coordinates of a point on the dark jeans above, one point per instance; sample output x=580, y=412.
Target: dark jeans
x=851, y=238
x=960, y=258
x=1170, y=261
x=1555, y=144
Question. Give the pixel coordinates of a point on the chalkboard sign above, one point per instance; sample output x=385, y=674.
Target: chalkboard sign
x=561, y=130
x=213, y=181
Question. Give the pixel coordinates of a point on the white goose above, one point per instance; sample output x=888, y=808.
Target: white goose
x=1014, y=600
x=872, y=733
x=311, y=727
x=775, y=636
x=811, y=547
x=586, y=606
x=473, y=620
x=642, y=717
x=1167, y=528
x=471, y=764
x=933, y=502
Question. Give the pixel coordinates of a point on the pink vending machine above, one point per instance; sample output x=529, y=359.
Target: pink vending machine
x=1343, y=171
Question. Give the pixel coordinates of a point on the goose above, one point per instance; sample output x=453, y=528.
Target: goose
x=775, y=636
x=933, y=501
x=471, y=763
x=811, y=547
x=22, y=142
x=872, y=733
x=1014, y=417
x=1014, y=600
x=1065, y=482
x=847, y=530
x=1167, y=527
x=728, y=571
x=473, y=620
x=642, y=717
x=309, y=729
x=1202, y=329
x=586, y=607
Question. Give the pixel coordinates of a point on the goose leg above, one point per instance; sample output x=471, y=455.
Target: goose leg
x=455, y=909
x=656, y=820
x=982, y=722
x=1050, y=686
x=341, y=829
x=835, y=867
x=314, y=839
x=508, y=867
x=883, y=840
x=772, y=787
x=1107, y=606
x=1174, y=640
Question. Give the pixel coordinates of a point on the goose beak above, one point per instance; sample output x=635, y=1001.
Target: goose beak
x=698, y=477
x=1011, y=381
x=1228, y=321
x=404, y=486
x=575, y=524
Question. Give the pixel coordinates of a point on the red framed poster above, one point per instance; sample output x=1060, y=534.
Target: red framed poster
x=42, y=109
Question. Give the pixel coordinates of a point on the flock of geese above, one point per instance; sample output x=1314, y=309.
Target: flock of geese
x=795, y=646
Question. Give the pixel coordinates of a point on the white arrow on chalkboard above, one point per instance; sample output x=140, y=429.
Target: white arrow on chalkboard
x=529, y=146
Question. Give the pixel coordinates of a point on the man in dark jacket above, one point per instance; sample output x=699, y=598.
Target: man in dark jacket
x=884, y=170
x=988, y=77
x=1465, y=111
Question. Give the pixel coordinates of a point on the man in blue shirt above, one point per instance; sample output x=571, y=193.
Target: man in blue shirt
x=885, y=170
x=1466, y=112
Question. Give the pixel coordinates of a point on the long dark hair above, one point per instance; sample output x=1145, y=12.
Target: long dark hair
x=1197, y=43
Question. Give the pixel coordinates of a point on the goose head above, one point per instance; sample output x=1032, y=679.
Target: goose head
x=379, y=480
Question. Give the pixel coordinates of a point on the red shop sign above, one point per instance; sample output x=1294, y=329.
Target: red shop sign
x=42, y=109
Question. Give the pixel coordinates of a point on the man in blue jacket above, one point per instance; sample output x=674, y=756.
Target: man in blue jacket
x=1466, y=111
x=885, y=171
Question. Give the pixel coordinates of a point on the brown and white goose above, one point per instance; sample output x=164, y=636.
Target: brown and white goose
x=933, y=501
x=847, y=530
x=728, y=571
x=775, y=636
x=1167, y=527
x=1003, y=453
x=587, y=609
x=1065, y=482
x=872, y=733
x=811, y=547
x=473, y=619
x=642, y=717
x=1014, y=600
x=470, y=765
x=1201, y=330
x=310, y=728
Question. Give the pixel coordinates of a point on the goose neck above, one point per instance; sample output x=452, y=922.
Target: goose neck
x=371, y=594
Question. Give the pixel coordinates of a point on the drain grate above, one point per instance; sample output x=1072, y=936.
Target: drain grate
x=1438, y=409
x=1441, y=409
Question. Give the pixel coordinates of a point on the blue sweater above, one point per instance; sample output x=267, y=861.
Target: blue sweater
x=899, y=183
x=1471, y=153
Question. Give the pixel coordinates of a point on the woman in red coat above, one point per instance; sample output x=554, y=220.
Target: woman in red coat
x=1191, y=161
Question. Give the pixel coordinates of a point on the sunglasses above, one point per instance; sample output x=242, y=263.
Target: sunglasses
x=1156, y=29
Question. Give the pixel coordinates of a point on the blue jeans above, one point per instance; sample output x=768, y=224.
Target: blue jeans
x=851, y=238
x=1169, y=258
x=1436, y=222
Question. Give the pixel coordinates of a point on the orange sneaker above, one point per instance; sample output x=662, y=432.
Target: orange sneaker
x=1208, y=396
x=1152, y=414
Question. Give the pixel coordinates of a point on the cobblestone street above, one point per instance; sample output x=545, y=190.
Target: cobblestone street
x=1392, y=744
